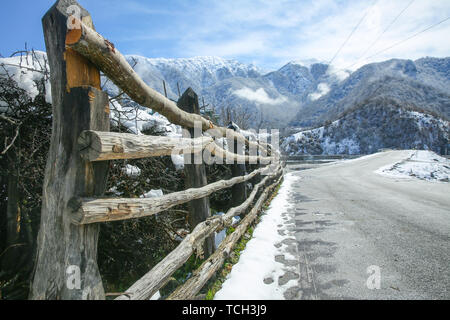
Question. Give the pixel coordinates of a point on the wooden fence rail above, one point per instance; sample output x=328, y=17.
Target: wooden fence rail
x=101, y=146
x=78, y=160
x=103, y=54
x=91, y=210
x=213, y=264
x=150, y=283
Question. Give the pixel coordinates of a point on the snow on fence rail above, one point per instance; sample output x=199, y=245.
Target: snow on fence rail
x=77, y=169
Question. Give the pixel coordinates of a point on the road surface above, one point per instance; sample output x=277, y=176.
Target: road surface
x=349, y=219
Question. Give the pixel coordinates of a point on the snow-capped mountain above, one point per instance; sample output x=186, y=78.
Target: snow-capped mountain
x=304, y=94
x=220, y=82
x=304, y=80
x=198, y=73
x=424, y=83
x=270, y=98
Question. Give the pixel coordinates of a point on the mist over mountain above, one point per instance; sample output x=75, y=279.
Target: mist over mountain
x=301, y=94
x=379, y=105
x=199, y=73
x=272, y=98
x=367, y=104
x=424, y=84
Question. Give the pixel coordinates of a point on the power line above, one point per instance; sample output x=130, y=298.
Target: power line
x=384, y=31
x=398, y=43
x=353, y=31
x=409, y=38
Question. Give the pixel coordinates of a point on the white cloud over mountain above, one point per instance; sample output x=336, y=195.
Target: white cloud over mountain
x=258, y=96
x=322, y=89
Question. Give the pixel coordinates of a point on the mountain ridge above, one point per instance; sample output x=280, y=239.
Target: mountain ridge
x=374, y=124
x=407, y=78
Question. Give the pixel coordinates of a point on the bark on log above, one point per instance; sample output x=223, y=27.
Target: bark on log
x=155, y=279
x=241, y=208
x=101, y=146
x=92, y=210
x=217, y=151
x=195, y=173
x=108, y=59
x=60, y=243
x=201, y=276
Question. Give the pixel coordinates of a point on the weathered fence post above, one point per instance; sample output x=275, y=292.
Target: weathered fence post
x=238, y=191
x=199, y=209
x=66, y=266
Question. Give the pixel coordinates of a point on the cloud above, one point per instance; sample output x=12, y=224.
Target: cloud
x=340, y=74
x=272, y=33
x=258, y=96
x=322, y=89
x=245, y=44
x=322, y=38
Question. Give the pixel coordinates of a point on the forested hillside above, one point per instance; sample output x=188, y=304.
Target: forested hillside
x=372, y=125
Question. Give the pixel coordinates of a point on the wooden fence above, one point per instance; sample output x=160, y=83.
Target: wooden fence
x=81, y=147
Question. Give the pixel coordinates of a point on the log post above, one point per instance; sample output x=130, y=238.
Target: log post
x=195, y=175
x=66, y=266
x=238, y=191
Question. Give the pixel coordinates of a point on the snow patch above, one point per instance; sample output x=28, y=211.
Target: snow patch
x=156, y=296
x=138, y=119
x=153, y=194
x=25, y=70
x=178, y=161
x=131, y=171
x=424, y=165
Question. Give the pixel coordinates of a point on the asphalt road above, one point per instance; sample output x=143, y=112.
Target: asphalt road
x=347, y=219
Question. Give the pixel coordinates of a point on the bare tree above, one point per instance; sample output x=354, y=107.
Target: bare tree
x=25, y=128
x=243, y=116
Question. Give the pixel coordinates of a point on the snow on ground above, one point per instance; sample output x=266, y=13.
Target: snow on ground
x=131, y=171
x=424, y=165
x=178, y=161
x=156, y=296
x=138, y=119
x=26, y=70
x=257, y=261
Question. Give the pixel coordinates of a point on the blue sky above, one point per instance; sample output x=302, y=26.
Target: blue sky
x=266, y=33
